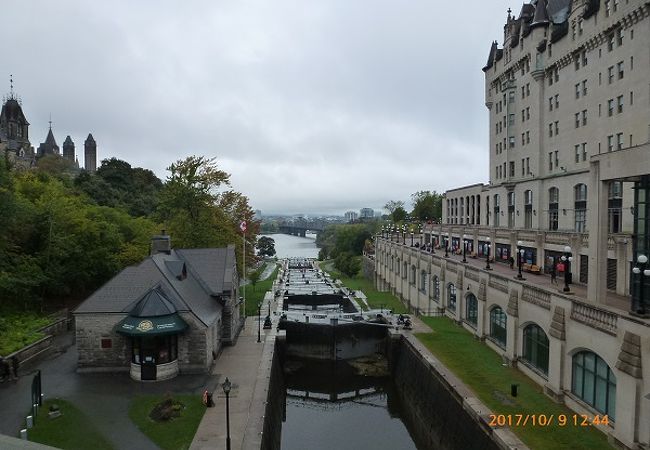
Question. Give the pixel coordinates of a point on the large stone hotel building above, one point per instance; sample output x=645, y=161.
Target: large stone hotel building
x=568, y=98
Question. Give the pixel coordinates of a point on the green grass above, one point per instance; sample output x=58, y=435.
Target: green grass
x=176, y=434
x=481, y=370
x=375, y=299
x=71, y=431
x=18, y=330
x=255, y=294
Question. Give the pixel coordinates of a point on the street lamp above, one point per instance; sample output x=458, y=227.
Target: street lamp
x=446, y=245
x=520, y=256
x=566, y=260
x=641, y=260
x=421, y=236
x=411, y=237
x=487, y=254
x=404, y=234
x=464, y=247
x=259, y=322
x=226, y=390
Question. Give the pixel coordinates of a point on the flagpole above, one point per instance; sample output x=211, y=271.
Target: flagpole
x=244, y=270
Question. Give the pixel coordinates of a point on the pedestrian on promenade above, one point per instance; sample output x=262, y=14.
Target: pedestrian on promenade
x=14, y=367
x=512, y=262
x=553, y=274
x=4, y=369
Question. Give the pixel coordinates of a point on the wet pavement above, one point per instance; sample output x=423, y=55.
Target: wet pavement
x=103, y=397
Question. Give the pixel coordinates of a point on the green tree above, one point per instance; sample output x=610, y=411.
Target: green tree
x=398, y=215
x=392, y=205
x=254, y=277
x=426, y=205
x=266, y=246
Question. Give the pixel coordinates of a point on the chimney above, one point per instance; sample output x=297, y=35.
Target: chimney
x=161, y=243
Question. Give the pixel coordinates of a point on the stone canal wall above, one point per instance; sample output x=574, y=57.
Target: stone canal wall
x=274, y=413
x=439, y=411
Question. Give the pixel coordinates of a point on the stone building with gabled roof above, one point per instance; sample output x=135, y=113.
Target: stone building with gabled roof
x=170, y=314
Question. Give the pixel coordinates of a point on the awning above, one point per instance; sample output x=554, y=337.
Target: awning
x=151, y=326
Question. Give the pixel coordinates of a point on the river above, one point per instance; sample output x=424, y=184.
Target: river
x=287, y=246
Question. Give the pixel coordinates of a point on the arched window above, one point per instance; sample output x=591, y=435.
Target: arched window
x=451, y=297
x=423, y=281
x=413, y=273
x=535, y=351
x=580, y=207
x=436, y=288
x=553, y=200
x=397, y=268
x=405, y=269
x=594, y=382
x=471, y=310
x=392, y=263
x=498, y=323
x=511, y=209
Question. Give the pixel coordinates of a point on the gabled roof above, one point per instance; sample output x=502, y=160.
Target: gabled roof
x=153, y=303
x=49, y=140
x=207, y=277
x=491, y=56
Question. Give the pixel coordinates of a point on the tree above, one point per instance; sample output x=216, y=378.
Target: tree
x=266, y=246
x=426, y=205
x=392, y=205
x=398, y=215
x=254, y=277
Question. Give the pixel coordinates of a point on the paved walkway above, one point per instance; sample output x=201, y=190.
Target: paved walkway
x=245, y=365
x=618, y=302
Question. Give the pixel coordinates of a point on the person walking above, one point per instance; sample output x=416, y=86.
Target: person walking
x=14, y=364
x=512, y=262
x=553, y=274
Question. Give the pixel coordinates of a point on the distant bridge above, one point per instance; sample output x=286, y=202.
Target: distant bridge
x=300, y=227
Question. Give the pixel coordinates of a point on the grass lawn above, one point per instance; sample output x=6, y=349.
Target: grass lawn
x=481, y=370
x=376, y=299
x=17, y=330
x=255, y=294
x=175, y=434
x=71, y=431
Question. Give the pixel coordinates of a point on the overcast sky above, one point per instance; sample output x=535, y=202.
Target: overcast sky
x=311, y=106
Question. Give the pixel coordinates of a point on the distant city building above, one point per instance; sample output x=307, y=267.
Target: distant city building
x=90, y=154
x=351, y=216
x=15, y=144
x=366, y=213
x=258, y=214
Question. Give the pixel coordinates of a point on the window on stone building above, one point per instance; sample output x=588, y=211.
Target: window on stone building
x=615, y=206
x=436, y=288
x=580, y=207
x=498, y=326
x=528, y=209
x=594, y=382
x=471, y=310
x=535, y=348
x=106, y=343
x=553, y=199
x=423, y=281
x=451, y=297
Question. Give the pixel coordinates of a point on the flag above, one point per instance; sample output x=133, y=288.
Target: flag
x=242, y=226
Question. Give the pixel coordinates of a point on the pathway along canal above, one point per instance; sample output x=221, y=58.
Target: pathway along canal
x=328, y=406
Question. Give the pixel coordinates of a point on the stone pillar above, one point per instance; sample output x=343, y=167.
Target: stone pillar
x=597, y=225
x=482, y=309
x=628, y=378
x=556, y=347
x=512, y=325
x=622, y=267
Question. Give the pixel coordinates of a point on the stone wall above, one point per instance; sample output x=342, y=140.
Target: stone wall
x=368, y=267
x=90, y=330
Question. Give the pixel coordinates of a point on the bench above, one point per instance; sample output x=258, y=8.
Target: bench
x=531, y=268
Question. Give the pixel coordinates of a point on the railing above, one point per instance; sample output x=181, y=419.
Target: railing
x=451, y=266
x=536, y=297
x=594, y=317
x=499, y=284
x=471, y=273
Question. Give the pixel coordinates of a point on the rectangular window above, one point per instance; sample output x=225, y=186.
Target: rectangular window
x=577, y=117
x=527, y=113
x=576, y=61
x=550, y=104
x=584, y=52
x=523, y=169
x=619, y=37
x=557, y=127
x=610, y=74
x=584, y=117
x=584, y=87
x=557, y=161
x=584, y=151
x=619, y=102
x=512, y=141
x=106, y=343
x=578, y=90
x=550, y=129
x=527, y=137
x=610, y=43
x=550, y=161
x=523, y=138
x=610, y=106
x=631, y=98
x=528, y=166
x=512, y=168
x=557, y=101
x=523, y=92
x=619, y=141
x=619, y=68
x=577, y=150
x=607, y=8
x=511, y=120
x=610, y=142
x=511, y=96
x=527, y=89
x=631, y=62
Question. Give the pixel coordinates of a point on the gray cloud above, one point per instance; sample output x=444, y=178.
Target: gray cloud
x=311, y=106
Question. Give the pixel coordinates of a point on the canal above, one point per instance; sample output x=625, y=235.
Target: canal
x=334, y=404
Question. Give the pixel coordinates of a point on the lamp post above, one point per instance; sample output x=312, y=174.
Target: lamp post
x=566, y=260
x=464, y=248
x=446, y=245
x=404, y=234
x=259, y=322
x=226, y=390
x=520, y=255
x=411, y=237
x=487, y=254
x=642, y=272
x=421, y=236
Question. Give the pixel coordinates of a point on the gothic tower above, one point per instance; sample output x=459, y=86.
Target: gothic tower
x=14, y=129
x=49, y=147
x=68, y=149
x=90, y=154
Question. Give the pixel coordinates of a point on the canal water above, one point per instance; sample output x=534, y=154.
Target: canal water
x=330, y=405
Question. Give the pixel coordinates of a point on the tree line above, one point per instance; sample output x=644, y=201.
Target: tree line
x=63, y=232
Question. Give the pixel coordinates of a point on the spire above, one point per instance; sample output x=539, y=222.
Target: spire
x=11, y=86
x=50, y=122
